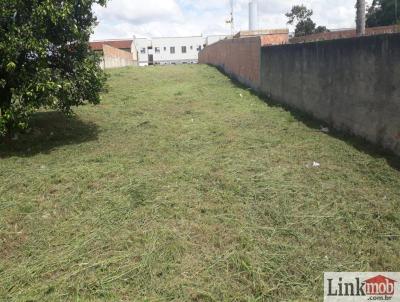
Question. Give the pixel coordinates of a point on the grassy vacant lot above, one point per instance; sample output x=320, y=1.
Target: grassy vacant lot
x=184, y=186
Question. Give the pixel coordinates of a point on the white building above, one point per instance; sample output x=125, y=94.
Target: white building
x=171, y=50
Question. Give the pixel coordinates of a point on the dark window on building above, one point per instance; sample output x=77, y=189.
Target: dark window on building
x=143, y=50
x=199, y=48
x=157, y=49
x=165, y=49
x=184, y=50
x=191, y=47
x=172, y=50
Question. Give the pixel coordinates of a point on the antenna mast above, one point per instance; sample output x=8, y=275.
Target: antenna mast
x=231, y=21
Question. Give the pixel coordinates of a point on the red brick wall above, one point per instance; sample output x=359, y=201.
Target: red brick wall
x=274, y=39
x=120, y=44
x=114, y=58
x=346, y=34
x=109, y=51
x=238, y=57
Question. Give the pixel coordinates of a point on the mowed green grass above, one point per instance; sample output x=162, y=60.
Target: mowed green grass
x=182, y=186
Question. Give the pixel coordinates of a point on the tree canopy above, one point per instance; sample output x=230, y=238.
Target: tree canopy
x=301, y=16
x=383, y=13
x=299, y=13
x=45, y=60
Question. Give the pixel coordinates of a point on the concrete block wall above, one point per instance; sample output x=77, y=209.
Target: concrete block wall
x=352, y=84
x=114, y=58
x=240, y=58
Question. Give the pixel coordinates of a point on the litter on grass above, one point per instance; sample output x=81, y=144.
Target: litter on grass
x=314, y=164
x=325, y=129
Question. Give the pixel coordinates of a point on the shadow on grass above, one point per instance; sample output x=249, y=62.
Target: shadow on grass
x=356, y=142
x=49, y=130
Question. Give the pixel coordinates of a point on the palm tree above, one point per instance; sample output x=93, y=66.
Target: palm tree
x=360, y=17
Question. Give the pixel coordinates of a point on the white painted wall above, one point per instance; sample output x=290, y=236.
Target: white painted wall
x=160, y=48
x=141, y=46
x=186, y=49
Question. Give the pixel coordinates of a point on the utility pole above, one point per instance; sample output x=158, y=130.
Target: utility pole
x=360, y=17
x=395, y=9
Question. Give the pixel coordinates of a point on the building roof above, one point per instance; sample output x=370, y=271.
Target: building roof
x=120, y=44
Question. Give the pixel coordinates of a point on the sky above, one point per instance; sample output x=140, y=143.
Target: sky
x=166, y=18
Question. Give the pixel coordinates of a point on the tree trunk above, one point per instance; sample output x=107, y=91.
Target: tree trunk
x=5, y=103
x=361, y=11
